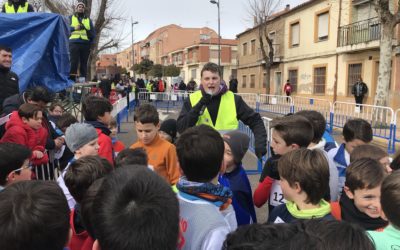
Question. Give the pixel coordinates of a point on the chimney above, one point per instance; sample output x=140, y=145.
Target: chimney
x=287, y=8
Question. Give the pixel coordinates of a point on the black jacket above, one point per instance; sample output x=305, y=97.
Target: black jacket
x=8, y=84
x=189, y=116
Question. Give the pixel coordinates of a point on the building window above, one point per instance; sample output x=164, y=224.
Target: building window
x=319, y=80
x=322, y=28
x=253, y=47
x=293, y=79
x=265, y=80
x=194, y=72
x=252, y=81
x=353, y=74
x=244, y=79
x=244, y=49
x=295, y=34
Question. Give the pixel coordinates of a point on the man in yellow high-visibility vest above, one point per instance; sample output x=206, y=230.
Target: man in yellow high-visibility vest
x=82, y=35
x=216, y=106
x=17, y=6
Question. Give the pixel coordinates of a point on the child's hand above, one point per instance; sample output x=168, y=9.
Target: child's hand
x=38, y=154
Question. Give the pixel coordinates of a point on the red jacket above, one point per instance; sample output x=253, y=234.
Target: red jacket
x=20, y=133
x=106, y=146
x=79, y=241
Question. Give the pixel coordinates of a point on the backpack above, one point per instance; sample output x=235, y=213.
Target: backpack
x=288, y=88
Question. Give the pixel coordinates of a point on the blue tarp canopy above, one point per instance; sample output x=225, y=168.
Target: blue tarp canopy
x=40, y=49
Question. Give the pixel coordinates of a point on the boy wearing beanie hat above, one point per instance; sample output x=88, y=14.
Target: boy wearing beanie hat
x=168, y=130
x=236, y=145
x=82, y=140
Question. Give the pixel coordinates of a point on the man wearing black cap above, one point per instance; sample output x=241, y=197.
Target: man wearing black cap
x=82, y=35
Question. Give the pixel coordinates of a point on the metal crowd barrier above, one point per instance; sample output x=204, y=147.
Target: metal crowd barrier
x=251, y=99
x=276, y=104
x=395, y=134
x=169, y=101
x=381, y=118
x=309, y=103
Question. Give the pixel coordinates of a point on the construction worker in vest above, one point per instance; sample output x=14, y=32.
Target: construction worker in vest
x=214, y=105
x=82, y=35
x=16, y=6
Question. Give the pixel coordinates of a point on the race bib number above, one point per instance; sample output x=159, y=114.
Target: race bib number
x=276, y=196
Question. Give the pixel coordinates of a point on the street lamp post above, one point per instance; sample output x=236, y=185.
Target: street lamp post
x=219, y=31
x=133, y=52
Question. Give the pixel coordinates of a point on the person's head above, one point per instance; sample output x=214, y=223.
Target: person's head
x=200, y=153
x=34, y=215
x=113, y=127
x=168, y=130
x=147, y=123
x=373, y=152
x=14, y=163
x=80, y=7
x=390, y=198
x=83, y=172
x=236, y=145
x=317, y=121
x=210, y=78
x=39, y=95
x=31, y=115
x=395, y=164
x=290, y=133
x=96, y=108
x=66, y=120
x=324, y=234
x=363, y=185
x=259, y=236
x=5, y=57
x=82, y=140
x=129, y=156
x=56, y=109
x=145, y=211
x=304, y=175
x=356, y=132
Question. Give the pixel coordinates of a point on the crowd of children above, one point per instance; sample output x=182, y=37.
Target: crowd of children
x=191, y=191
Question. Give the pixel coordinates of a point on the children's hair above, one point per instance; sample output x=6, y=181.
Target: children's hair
x=94, y=106
x=364, y=173
x=145, y=211
x=53, y=105
x=39, y=94
x=357, y=129
x=83, y=172
x=146, y=113
x=66, y=120
x=129, y=156
x=259, y=236
x=12, y=157
x=294, y=129
x=87, y=205
x=200, y=153
x=368, y=151
x=113, y=123
x=28, y=111
x=324, y=234
x=212, y=67
x=317, y=121
x=395, y=164
x=390, y=198
x=309, y=168
x=34, y=215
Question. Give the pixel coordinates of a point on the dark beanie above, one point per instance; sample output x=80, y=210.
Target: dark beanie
x=169, y=127
x=239, y=143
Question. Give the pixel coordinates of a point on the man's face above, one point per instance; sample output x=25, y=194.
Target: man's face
x=146, y=132
x=211, y=82
x=80, y=8
x=5, y=59
x=366, y=200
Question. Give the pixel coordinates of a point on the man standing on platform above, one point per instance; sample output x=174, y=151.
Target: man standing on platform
x=82, y=34
x=8, y=79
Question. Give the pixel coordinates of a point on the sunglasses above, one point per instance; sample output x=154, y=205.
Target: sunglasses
x=22, y=168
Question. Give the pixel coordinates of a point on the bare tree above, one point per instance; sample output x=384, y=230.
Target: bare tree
x=105, y=18
x=261, y=11
x=388, y=21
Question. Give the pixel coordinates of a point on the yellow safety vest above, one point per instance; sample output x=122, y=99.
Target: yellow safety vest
x=80, y=34
x=149, y=87
x=226, y=118
x=21, y=9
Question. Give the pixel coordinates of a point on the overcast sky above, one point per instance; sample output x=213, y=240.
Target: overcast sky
x=153, y=14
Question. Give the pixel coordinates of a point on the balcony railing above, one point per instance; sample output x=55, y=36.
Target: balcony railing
x=360, y=32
